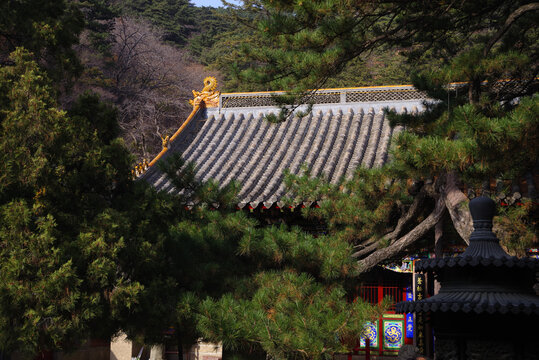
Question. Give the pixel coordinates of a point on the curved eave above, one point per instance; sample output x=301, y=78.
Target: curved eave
x=175, y=135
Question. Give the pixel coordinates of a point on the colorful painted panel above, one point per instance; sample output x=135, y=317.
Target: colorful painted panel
x=409, y=317
x=410, y=326
x=393, y=334
x=371, y=332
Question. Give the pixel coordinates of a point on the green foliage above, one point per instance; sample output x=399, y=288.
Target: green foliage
x=50, y=307
x=356, y=209
x=305, y=43
x=290, y=315
x=477, y=141
x=228, y=36
x=80, y=252
x=103, y=116
x=483, y=128
x=516, y=227
x=49, y=29
x=224, y=34
x=212, y=24
x=274, y=290
x=99, y=16
x=381, y=67
x=297, y=285
x=40, y=291
x=175, y=17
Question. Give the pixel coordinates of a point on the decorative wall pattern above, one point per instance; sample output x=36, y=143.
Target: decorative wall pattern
x=371, y=333
x=342, y=96
x=384, y=95
x=393, y=334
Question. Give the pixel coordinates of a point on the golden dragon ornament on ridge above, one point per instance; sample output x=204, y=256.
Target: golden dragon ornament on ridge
x=209, y=96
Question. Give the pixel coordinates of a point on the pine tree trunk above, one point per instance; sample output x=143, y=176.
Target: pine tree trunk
x=474, y=90
x=402, y=243
x=456, y=201
x=438, y=247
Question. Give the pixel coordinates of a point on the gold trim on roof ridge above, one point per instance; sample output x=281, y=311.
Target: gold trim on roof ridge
x=359, y=88
x=166, y=142
x=209, y=97
x=142, y=167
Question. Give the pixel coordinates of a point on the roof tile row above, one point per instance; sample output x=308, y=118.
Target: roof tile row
x=255, y=152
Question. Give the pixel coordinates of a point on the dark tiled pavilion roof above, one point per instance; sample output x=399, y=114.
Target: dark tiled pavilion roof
x=479, y=302
x=483, y=279
x=240, y=144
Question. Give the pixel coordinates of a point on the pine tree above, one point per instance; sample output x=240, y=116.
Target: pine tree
x=79, y=253
x=49, y=29
x=275, y=287
x=224, y=33
x=175, y=18
x=259, y=290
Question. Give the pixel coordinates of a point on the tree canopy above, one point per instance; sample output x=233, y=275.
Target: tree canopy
x=79, y=253
x=86, y=251
x=309, y=42
x=257, y=289
x=174, y=17
x=48, y=29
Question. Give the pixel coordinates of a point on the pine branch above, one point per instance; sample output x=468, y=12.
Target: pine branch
x=405, y=241
x=410, y=214
x=508, y=22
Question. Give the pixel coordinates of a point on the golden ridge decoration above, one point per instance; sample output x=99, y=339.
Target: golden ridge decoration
x=140, y=168
x=165, y=141
x=209, y=96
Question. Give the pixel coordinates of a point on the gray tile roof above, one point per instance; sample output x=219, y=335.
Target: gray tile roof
x=247, y=148
x=476, y=301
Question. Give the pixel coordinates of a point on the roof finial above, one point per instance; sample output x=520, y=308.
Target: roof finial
x=164, y=141
x=483, y=242
x=209, y=96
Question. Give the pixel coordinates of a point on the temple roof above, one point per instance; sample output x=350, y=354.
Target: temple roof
x=238, y=143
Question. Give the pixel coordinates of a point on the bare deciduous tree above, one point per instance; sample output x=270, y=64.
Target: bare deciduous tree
x=152, y=82
x=149, y=81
